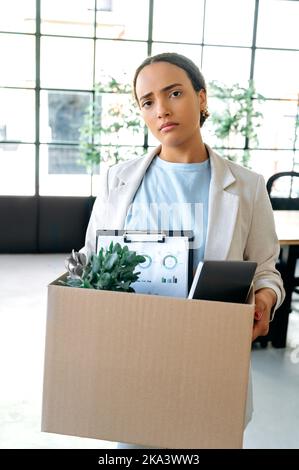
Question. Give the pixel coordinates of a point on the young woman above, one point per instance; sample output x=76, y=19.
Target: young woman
x=235, y=220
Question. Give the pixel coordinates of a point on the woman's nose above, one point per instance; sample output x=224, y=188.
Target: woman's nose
x=162, y=110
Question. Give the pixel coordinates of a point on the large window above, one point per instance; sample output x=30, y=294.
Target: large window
x=53, y=52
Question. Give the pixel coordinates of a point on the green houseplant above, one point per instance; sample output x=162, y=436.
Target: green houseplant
x=106, y=123
x=238, y=117
x=111, y=269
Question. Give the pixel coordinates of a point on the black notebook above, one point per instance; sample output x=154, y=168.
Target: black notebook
x=223, y=281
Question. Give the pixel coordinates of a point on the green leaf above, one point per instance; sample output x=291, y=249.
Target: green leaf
x=96, y=264
x=110, y=261
x=87, y=284
x=74, y=282
x=117, y=249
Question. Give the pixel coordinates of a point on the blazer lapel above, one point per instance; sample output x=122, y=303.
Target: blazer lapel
x=223, y=209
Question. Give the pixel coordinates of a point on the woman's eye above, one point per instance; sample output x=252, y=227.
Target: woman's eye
x=176, y=93
x=146, y=104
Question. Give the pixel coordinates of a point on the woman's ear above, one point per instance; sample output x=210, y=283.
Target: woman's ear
x=202, y=99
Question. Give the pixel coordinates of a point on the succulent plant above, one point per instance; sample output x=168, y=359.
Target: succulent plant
x=111, y=269
x=75, y=264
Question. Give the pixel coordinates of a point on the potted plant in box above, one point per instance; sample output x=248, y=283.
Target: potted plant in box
x=111, y=269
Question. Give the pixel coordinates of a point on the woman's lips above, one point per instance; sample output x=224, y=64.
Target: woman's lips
x=168, y=127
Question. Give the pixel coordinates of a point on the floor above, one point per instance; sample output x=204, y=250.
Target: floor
x=23, y=294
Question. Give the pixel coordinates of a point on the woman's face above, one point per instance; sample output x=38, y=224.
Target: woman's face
x=169, y=104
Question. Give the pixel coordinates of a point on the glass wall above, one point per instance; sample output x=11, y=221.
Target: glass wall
x=53, y=52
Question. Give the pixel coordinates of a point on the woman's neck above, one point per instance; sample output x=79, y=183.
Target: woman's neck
x=195, y=153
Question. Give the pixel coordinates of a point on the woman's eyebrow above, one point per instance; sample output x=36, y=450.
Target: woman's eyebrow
x=166, y=88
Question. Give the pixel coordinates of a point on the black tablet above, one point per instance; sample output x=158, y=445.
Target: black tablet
x=223, y=281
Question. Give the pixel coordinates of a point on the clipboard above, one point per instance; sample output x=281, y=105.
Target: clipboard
x=169, y=259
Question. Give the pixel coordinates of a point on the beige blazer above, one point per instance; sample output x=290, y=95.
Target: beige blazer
x=240, y=221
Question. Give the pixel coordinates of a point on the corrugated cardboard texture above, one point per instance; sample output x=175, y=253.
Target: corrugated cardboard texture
x=151, y=370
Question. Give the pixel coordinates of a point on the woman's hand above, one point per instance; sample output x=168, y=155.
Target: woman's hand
x=265, y=299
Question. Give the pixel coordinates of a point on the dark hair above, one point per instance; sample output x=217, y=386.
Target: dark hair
x=193, y=72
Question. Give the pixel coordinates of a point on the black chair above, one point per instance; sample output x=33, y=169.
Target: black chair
x=284, y=194
x=283, y=190
x=289, y=200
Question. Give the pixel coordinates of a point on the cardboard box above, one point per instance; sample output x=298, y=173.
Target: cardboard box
x=150, y=370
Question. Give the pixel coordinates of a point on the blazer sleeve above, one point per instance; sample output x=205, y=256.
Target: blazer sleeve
x=263, y=246
x=98, y=216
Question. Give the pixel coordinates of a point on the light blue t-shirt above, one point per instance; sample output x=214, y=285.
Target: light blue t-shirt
x=173, y=196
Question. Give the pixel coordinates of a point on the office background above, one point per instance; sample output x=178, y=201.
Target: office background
x=52, y=53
